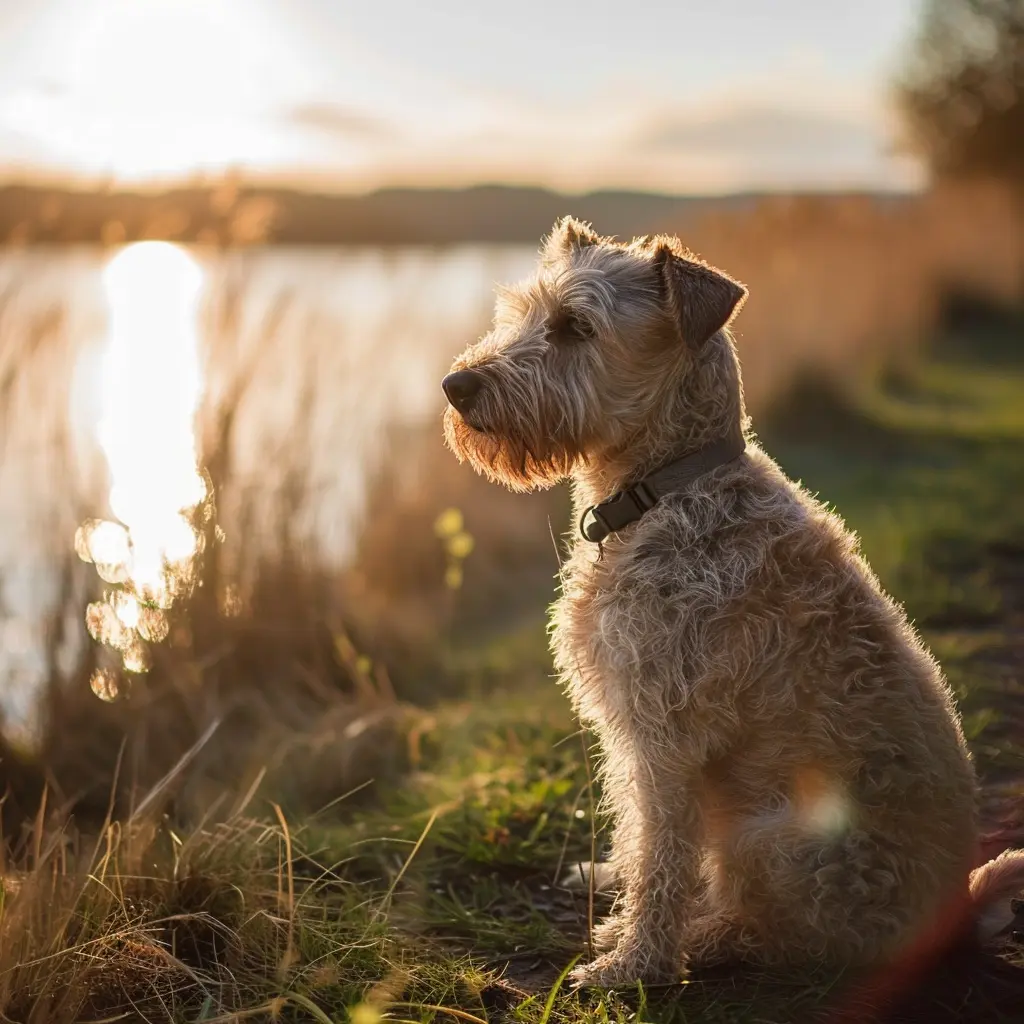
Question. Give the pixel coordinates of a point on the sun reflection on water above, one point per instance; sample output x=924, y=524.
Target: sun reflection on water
x=151, y=386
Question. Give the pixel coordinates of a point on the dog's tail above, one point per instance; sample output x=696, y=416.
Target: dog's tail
x=992, y=886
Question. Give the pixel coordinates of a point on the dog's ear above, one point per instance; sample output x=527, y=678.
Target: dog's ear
x=567, y=235
x=701, y=299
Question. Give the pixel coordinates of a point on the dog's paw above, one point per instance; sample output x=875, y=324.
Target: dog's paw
x=607, y=971
x=621, y=970
x=603, y=873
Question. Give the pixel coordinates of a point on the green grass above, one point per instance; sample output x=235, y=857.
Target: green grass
x=436, y=900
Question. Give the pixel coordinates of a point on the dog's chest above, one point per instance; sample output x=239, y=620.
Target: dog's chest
x=585, y=637
x=614, y=613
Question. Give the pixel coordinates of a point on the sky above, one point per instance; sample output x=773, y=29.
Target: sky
x=703, y=96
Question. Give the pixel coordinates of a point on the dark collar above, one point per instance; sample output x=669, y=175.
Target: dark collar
x=625, y=507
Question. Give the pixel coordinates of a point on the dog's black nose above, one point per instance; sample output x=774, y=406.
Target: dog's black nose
x=461, y=388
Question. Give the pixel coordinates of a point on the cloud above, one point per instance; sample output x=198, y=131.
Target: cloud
x=758, y=132
x=340, y=122
x=48, y=87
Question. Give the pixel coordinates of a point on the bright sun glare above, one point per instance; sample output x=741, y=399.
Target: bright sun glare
x=160, y=87
x=151, y=385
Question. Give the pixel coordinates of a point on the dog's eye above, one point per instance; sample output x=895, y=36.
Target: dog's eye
x=566, y=326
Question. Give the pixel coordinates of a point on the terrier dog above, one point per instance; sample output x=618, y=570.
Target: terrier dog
x=782, y=760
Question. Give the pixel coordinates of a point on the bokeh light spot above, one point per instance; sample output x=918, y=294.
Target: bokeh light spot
x=105, y=685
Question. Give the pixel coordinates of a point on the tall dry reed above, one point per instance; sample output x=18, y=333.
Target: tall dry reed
x=841, y=283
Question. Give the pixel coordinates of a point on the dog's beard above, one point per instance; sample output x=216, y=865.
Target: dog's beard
x=520, y=462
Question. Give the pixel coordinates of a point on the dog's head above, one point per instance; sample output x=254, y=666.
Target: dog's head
x=583, y=357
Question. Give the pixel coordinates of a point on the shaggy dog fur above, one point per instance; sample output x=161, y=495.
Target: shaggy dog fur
x=782, y=759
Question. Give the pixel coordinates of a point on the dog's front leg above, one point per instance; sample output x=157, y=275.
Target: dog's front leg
x=656, y=846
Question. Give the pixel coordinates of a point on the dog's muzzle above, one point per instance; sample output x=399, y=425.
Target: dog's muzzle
x=462, y=388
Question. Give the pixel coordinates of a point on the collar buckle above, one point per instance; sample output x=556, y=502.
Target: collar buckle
x=629, y=505
x=618, y=511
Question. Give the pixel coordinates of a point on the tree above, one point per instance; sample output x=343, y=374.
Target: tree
x=963, y=95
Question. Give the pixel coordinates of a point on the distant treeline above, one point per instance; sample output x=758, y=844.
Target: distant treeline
x=232, y=214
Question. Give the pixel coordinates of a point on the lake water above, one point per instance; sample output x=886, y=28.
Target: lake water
x=346, y=346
